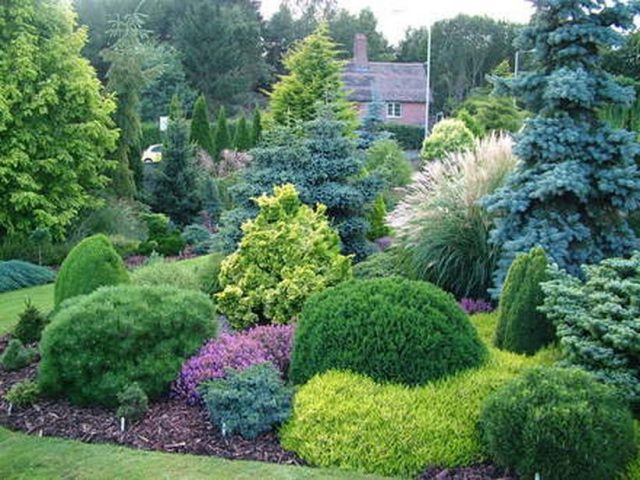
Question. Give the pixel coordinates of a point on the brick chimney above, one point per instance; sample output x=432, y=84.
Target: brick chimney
x=360, y=56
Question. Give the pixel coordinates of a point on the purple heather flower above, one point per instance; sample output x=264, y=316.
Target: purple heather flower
x=271, y=343
x=472, y=306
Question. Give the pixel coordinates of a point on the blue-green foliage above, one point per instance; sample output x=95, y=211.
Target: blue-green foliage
x=15, y=274
x=323, y=166
x=578, y=178
x=372, y=129
x=597, y=321
x=248, y=402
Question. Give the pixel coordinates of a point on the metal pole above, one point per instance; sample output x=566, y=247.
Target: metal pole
x=428, y=98
x=516, y=64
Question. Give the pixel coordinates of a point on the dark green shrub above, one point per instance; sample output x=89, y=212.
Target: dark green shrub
x=151, y=134
x=391, y=329
x=163, y=237
x=23, y=394
x=382, y=264
x=521, y=327
x=101, y=343
x=16, y=274
x=560, y=423
x=17, y=356
x=91, y=264
x=209, y=273
x=248, y=402
x=30, y=324
x=133, y=403
x=410, y=137
x=194, y=234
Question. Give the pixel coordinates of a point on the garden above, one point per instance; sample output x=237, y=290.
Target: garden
x=297, y=296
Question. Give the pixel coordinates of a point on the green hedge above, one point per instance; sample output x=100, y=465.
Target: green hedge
x=560, y=423
x=98, y=345
x=391, y=329
x=91, y=264
x=410, y=137
x=348, y=421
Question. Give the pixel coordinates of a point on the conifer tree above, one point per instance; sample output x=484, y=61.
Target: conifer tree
x=176, y=192
x=56, y=132
x=222, y=139
x=322, y=163
x=242, y=138
x=314, y=79
x=200, y=133
x=578, y=178
x=256, y=128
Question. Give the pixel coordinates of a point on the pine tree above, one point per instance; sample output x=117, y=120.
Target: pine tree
x=55, y=127
x=127, y=77
x=578, y=177
x=176, y=192
x=242, y=138
x=200, y=133
x=222, y=139
x=256, y=128
x=322, y=163
x=315, y=78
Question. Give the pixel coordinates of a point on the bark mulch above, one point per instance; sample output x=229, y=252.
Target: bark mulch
x=170, y=425
x=477, y=472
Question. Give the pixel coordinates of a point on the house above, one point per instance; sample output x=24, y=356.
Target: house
x=400, y=87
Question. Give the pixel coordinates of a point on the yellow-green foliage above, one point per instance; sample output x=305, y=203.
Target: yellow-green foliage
x=288, y=252
x=448, y=136
x=91, y=264
x=346, y=420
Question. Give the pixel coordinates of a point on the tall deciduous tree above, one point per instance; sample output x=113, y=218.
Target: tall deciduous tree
x=200, y=133
x=126, y=78
x=314, y=79
x=579, y=177
x=344, y=25
x=464, y=50
x=176, y=191
x=222, y=47
x=55, y=127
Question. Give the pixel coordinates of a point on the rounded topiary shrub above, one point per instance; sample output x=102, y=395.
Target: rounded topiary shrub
x=100, y=344
x=92, y=263
x=390, y=329
x=521, y=327
x=447, y=137
x=560, y=423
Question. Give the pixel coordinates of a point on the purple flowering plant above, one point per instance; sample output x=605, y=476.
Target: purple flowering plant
x=472, y=306
x=238, y=351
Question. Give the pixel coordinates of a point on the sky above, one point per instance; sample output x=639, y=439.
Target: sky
x=394, y=16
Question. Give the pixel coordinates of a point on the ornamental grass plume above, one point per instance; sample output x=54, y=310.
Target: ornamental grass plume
x=441, y=226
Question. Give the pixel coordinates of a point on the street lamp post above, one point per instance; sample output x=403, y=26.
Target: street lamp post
x=428, y=92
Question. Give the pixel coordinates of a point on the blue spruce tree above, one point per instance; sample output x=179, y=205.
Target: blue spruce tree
x=579, y=178
x=323, y=165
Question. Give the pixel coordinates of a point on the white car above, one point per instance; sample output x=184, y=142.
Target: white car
x=153, y=154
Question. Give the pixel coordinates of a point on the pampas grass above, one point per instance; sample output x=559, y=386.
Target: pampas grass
x=440, y=225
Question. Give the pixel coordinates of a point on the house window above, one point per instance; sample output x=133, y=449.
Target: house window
x=394, y=110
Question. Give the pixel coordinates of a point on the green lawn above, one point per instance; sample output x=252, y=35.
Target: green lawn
x=25, y=457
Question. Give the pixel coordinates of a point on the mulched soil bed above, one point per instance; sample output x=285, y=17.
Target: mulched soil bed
x=170, y=425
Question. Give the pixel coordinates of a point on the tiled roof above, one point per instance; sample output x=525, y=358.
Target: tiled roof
x=399, y=82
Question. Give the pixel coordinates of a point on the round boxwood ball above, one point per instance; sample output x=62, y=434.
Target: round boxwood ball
x=101, y=343
x=390, y=329
x=560, y=423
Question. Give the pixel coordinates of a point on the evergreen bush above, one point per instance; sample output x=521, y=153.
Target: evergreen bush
x=391, y=329
x=166, y=273
x=382, y=264
x=410, y=137
x=378, y=227
x=17, y=274
x=98, y=345
x=242, y=136
x=596, y=321
x=200, y=130
x=447, y=137
x=386, y=159
x=522, y=328
x=17, y=356
x=248, y=402
x=23, y=394
x=288, y=252
x=91, y=264
x=209, y=274
x=559, y=423
x=222, y=137
x=30, y=324
x=132, y=403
